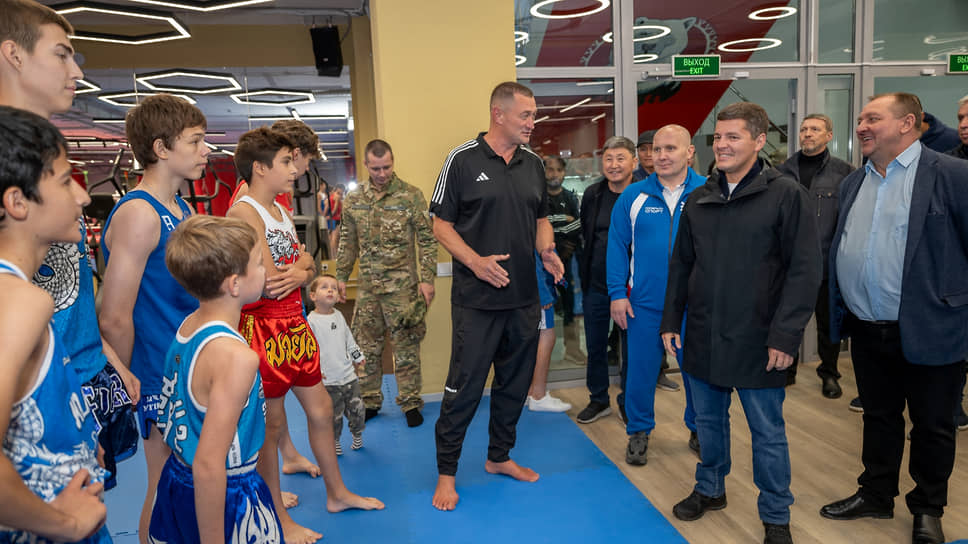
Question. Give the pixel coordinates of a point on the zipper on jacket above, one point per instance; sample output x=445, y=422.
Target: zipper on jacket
x=819, y=200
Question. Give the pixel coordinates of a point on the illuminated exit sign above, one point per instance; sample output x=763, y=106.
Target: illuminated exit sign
x=957, y=63
x=695, y=65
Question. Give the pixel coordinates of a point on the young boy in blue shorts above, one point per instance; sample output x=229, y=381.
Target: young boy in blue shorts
x=44, y=83
x=142, y=304
x=51, y=480
x=212, y=412
x=264, y=158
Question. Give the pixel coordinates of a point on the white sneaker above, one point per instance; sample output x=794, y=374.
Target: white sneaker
x=547, y=404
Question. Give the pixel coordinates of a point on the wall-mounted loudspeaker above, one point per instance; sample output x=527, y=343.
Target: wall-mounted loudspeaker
x=329, y=57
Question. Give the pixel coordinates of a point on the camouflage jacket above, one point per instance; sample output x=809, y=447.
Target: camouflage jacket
x=386, y=234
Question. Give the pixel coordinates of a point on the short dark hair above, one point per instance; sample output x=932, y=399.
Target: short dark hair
x=29, y=145
x=316, y=281
x=301, y=136
x=555, y=158
x=757, y=121
x=826, y=120
x=904, y=104
x=22, y=20
x=619, y=142
x=377, y=148
x=205, y=249
x=507, y=90
x=161, y=116
x=258, y=145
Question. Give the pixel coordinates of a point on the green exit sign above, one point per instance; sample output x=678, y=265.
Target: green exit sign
x=958, y=63
x=695, y=65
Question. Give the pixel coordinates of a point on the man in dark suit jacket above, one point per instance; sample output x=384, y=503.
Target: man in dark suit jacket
x=899, y=289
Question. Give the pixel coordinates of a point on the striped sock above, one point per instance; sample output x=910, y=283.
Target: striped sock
x=357, y=441
x=339, y=448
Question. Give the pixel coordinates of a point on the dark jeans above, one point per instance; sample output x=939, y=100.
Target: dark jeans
x=597, y=319
x=829, y=351
x=509, y=339
x=887, y=382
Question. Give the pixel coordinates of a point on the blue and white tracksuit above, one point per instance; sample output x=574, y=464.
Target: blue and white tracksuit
x=640, y=242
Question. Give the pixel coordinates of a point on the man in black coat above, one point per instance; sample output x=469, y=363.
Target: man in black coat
x=747, y=265
x=820, y=173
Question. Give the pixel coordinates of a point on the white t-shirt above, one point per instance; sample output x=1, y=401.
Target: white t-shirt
x=337, y=349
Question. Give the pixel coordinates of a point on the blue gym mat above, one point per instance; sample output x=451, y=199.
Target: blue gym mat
x=580, y=497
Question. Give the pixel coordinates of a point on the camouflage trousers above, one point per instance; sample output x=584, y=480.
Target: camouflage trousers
x=347, y=402
x=400, y=314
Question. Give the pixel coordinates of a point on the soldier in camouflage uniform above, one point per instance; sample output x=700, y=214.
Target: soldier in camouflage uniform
x=386, y=225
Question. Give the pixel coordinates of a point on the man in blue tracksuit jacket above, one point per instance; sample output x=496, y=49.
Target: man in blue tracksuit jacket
x=641, y=236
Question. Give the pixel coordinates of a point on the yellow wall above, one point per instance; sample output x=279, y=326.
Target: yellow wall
x=433, y=76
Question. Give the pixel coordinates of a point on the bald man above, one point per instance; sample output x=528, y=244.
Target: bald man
x=644, y=223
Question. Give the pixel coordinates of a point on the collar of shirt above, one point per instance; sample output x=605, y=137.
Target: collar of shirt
x=391, y=187
x=750, y=175
x=903, y=160
x=516, y=157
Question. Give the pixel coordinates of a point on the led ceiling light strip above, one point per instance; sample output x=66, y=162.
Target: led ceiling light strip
x=201, y=6
x=575, y=105
x=112, y=99
x=781, y=12
x=179, y=31
x=730, y=47
x=148, y=80
x=301, y=117
x=89, y=87
x=244, y=98
x=597, y=117
x=535, y=10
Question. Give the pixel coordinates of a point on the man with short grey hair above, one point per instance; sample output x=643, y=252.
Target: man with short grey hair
x=820, y=173
x=961, y=150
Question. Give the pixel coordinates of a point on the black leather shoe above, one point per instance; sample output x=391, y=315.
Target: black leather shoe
x=414, y=417
x=694, y=444
x=857, y=506
x=927, y=530
x=696, y=504
x=777, y=534
x=831, y=389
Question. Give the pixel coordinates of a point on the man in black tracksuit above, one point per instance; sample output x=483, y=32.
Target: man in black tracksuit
x=747, y=264
x=820, y=173
x=490, y=212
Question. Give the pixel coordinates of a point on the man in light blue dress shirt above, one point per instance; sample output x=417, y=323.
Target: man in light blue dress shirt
x=899, y=289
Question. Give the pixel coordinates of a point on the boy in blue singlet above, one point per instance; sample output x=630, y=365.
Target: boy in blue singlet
x=212, y=412
x=38, y=74
x=276, y=320
x=142, y=304
x=51, y=480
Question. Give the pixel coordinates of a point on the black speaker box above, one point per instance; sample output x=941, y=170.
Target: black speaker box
x=329, y=57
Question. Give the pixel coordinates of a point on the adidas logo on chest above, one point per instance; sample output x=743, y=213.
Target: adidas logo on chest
x=482, y=177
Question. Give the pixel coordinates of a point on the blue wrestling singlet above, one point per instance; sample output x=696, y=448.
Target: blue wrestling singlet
x=249, y=514
x=161, y=306
x=52, y=433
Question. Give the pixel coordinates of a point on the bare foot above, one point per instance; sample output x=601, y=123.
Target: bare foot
x=445, y=496
x=349, y=501
x=289, y=500
x=297, y=534
x=512, y=469
x=299, y=464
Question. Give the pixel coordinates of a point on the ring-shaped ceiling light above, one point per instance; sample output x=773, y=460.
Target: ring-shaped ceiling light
x=306, y=97
x=230, y=82
x=301, y=117
x=730, y=47
x=602, y=5
x=179, y=30
x=663, y=30
x=780, y=12
x=89, y=87
x=644, y=57
x=195, y=5
x=520, y=59
x=521, y=36
x=113, y=98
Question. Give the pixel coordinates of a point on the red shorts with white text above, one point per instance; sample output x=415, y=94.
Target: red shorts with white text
x=288, y=353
